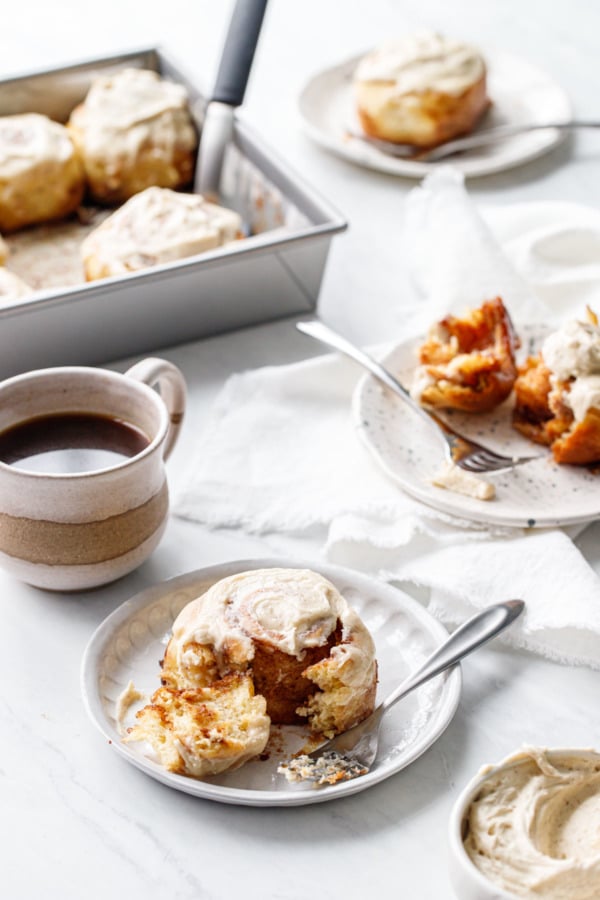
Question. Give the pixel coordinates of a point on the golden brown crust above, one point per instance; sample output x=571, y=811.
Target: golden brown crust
x=425, y=118
x=542, y=415
x=470, y=361
x=48, y=183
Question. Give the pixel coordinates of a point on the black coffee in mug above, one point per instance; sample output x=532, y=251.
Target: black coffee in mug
x=68, y=443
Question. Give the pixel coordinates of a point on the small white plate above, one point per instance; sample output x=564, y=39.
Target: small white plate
x=535, y=495
x=130, y=642
x=520, y=93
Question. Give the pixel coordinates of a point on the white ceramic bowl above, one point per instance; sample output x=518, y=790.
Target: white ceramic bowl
x=466, y=879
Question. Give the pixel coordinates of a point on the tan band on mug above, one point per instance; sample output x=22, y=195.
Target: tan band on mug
x=82, y=543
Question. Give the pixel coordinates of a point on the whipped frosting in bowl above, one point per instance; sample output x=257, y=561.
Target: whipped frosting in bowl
x=530, y=827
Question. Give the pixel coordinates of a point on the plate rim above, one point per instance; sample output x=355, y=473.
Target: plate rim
x=406, y=168
x=448, y=705
x=486, y=517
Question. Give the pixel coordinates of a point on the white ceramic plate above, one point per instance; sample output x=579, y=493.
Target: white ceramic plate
x=520, y=93
x=130, y=642
x=537, y=494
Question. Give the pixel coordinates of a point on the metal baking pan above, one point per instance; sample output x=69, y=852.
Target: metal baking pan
x=274, y=272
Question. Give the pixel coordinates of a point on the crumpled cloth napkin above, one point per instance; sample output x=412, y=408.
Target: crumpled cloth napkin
x=280, y=453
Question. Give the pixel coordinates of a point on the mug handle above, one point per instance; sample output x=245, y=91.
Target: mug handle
x=168, y=378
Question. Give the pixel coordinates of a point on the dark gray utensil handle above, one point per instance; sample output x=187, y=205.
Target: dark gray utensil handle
x=238, y=52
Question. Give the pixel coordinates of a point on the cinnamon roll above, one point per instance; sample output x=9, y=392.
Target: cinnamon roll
x=41, y=173
x=557, y=393
x=289, y=636
x=422, y=89
x=156, y=226
x=134, y=130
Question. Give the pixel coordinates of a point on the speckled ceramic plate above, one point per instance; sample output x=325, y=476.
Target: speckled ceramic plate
x=538, y=494
x=520, y=93
x=131, y=641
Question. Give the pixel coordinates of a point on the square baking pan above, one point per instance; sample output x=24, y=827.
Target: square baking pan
x=275, y=271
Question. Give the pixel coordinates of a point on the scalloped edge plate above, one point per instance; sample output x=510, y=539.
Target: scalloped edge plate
x=130, y=642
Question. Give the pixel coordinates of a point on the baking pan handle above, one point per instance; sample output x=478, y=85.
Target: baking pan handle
x=238, y=52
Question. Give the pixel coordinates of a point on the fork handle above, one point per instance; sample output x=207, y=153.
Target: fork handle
x=500, y=132
x=477, y=630
x=326, y=335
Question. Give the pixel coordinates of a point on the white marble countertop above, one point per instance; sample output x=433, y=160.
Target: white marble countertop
x=77, y=820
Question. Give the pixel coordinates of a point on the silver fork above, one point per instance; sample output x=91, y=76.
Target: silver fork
x=459, y=450
x=470, y=142
x=352, y=753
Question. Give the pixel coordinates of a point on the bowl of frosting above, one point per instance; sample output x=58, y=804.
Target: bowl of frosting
x=529, y=827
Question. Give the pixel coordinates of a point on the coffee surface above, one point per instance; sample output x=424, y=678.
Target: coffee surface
x=69, y=443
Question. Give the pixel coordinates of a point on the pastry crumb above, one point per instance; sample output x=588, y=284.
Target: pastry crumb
x=330, y=768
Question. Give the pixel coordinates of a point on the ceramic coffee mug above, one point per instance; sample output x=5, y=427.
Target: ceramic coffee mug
x=71, y=531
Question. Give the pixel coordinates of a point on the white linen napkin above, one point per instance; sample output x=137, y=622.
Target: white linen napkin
x=280, y=453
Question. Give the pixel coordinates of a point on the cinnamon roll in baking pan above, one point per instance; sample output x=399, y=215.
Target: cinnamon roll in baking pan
x=41, y=172
x=133, y=131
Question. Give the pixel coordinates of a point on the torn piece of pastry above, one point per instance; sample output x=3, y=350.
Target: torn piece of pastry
x=134, y=130
x=558, y=393
x=3, y=251
x=41, y=173
x=422, y=89
x=453, y=478
x=156, y=226
x=289, y=636
x=468, y=363
x=12, y=287
x=207, y=730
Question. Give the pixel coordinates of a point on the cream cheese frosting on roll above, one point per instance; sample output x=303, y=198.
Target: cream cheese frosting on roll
x=157, y=226
x=534, y=827
x=30, y=139
x=421, y=62
x=132, y=107
x=290, y=609
x=573, y=352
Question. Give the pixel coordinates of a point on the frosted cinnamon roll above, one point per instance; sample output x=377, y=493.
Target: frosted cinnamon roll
x=310, y=655
x=41, y=173
x=284, y=638
x=156, y=226
x=557, y=393
x=134, y=130
x=422, y=89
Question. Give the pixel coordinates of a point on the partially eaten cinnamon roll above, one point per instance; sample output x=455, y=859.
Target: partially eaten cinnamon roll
x=468, y=363
x=558, y=393
x=287, y=643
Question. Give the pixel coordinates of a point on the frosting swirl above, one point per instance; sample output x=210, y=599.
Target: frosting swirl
x=421, y=62
x=30, y=139
x=534, y=827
